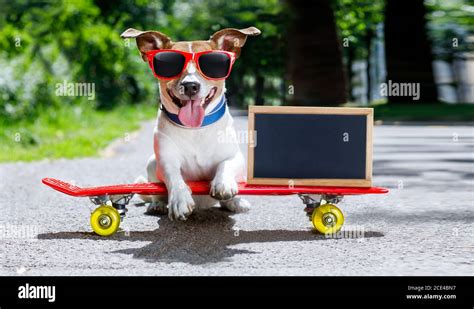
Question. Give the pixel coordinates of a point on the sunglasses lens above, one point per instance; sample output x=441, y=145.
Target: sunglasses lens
x=214, y=65
x=168, y=64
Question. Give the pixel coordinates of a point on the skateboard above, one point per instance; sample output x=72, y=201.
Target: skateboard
x=111, y=201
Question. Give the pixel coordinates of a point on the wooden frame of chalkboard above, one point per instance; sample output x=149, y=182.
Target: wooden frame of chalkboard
x=363, y=181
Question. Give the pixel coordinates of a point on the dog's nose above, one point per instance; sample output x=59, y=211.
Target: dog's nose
x=190, y=88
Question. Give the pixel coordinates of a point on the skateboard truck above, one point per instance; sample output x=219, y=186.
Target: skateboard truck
x=119, y=204
x=310, y=203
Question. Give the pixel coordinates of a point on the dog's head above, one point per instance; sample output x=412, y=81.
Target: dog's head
x=191, y=95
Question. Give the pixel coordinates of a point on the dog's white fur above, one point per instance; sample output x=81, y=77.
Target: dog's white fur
x=183, y=154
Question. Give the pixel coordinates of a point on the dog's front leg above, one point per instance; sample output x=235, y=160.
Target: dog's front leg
x=224, y=185
x=180, y=201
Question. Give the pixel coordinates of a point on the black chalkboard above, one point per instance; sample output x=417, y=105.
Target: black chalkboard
x=310, y=146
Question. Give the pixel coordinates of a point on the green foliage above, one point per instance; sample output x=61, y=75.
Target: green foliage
x=451, y=27
x=68, y=131
x=357, y=19
x=50, y=42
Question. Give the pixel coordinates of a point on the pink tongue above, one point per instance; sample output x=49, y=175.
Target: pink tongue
x=191, y=114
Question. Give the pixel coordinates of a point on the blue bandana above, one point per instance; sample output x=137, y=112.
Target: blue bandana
x=209, y=119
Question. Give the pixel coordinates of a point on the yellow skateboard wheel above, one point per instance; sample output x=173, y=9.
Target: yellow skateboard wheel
x=327, y=219
x=105, y=220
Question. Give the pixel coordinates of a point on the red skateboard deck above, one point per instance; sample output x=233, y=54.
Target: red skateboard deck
x=203, y=188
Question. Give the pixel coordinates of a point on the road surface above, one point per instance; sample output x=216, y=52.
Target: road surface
x=425, y=226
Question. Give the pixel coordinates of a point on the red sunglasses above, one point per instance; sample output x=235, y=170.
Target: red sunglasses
x=212, y=64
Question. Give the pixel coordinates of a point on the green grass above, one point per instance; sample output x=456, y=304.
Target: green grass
x=68, y=132
x=424, y=112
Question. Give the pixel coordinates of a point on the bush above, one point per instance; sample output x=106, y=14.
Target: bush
x=49, y=43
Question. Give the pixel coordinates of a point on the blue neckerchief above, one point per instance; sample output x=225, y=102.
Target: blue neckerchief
x=209, y=119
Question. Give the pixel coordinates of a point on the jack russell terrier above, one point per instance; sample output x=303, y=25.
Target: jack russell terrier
x=193, y=111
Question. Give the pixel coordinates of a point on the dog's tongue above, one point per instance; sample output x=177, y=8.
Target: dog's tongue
x=191, y=114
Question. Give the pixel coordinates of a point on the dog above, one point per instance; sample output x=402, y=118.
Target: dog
x=193, y=116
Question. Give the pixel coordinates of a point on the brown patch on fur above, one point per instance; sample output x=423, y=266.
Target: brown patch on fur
x=196, y=46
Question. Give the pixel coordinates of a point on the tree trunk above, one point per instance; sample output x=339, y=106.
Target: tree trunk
x=259, y=88
x=315, y=67
x=350, y=73
x=408, y=50
x=368, y=44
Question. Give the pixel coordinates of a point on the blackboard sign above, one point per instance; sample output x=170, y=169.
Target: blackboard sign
x=317, y=146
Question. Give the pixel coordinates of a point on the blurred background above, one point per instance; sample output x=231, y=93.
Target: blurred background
x=316, y=53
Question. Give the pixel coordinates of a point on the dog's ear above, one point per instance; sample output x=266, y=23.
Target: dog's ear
x=147, y=40
x=231, y=39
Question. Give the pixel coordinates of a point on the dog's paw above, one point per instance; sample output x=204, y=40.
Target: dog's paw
x=180, y=203
x=157, y=208
x=223, y=190
x=237, y=205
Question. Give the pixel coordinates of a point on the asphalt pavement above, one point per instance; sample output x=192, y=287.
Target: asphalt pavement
x=424, y=226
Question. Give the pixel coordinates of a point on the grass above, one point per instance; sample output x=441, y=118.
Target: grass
x=68, y=132
x=438, y=112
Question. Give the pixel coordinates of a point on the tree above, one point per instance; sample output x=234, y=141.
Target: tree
x=358, y=21
x=408, y=50
x=315, y=67
x=450, y=27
